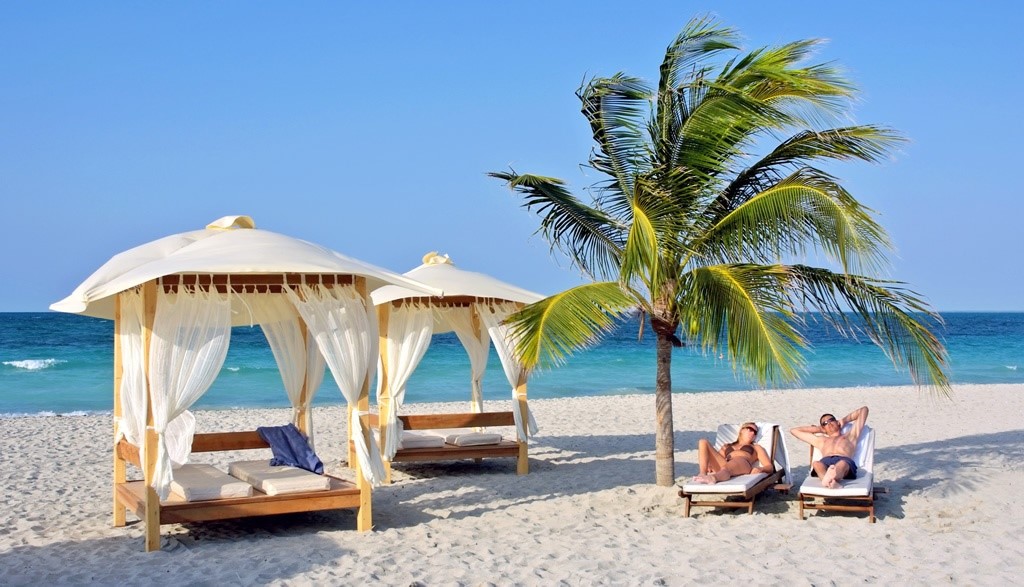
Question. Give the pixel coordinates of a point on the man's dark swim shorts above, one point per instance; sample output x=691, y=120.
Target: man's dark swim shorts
x=829, y=461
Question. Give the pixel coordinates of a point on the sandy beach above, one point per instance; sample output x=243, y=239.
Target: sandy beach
x=588, y=512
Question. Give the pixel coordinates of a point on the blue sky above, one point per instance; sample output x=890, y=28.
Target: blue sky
x=369, y=127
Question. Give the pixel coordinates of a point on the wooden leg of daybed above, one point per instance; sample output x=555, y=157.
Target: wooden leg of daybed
x=119, y=477
x=364, y=517
x=523, y=461
x=801, y=507
x=152, y=520
x=686, y=506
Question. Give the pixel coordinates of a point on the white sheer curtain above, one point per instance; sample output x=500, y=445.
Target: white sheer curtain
x=493, y=315
x=477, y=344
x=191, y=333
x=344, y=326
x=410, y=327
x=298, y=359
x=132, y=423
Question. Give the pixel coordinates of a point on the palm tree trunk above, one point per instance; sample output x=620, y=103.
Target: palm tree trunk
x=664, y=436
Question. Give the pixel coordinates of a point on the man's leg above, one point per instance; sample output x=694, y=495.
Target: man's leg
x=834, y=473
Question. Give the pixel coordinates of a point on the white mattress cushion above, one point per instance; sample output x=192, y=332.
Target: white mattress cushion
x=735, y=485
x=422, y=440
x=198, y=482
x=859, y=487
x=278, y=480
x=473, y=439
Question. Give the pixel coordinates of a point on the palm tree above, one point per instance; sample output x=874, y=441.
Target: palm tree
x=709, y=198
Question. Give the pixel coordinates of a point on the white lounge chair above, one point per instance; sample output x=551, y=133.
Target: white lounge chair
x=854, y=495
x=742, y=491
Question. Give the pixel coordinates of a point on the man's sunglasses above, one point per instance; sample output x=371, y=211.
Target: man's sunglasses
x=827, y=422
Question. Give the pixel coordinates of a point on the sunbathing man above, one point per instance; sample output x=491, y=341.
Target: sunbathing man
x=837, y=448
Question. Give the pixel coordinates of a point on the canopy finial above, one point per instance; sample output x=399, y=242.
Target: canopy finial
x=433, y=258
x=232, y=222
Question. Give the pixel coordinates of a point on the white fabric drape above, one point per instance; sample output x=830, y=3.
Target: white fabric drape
x=191, y=333
x=410, y=328
x=492, y=315
x=477, y=344
x=132, y=423
x=298, y=357
x=344, y=326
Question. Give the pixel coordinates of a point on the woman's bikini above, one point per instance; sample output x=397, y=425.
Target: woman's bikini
x=745, y=448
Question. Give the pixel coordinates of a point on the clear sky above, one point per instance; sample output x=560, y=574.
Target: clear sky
x=368, y=127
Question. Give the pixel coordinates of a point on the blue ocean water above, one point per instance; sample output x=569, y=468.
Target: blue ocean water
x=61, y=363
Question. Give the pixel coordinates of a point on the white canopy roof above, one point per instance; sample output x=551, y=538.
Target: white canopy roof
x=231, y=245
x=438, y=271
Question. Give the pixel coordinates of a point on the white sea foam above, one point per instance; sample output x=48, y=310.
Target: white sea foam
x=232, y=369
x=34, y=364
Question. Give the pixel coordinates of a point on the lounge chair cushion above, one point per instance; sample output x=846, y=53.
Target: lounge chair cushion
x=422, y=440
x=859, y=487
x=278, y=480
x=735, y=485
x=473, y=439
x=198, y=482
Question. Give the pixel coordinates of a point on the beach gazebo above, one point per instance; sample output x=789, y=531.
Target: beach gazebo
x=474, y=306
x=174, y=301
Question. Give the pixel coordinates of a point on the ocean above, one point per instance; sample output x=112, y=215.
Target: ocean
x=52, y=363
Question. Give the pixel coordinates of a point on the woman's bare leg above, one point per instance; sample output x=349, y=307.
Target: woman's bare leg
x=708, y=459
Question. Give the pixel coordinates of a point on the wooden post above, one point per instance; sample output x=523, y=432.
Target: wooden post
x=523, y=461
x=385, y=407
x=120, y=468
x=364, y=518
x=152, y=513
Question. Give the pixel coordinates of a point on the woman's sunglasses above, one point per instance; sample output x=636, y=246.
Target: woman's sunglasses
x=751, y=428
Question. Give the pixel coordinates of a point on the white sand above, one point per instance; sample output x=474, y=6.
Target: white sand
x=587, y=513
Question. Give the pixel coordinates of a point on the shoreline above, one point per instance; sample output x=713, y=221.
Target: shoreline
x=612, y=393
x=587, y=512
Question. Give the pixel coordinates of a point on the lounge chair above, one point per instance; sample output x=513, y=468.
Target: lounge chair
x=742, y=491
x=855, y=495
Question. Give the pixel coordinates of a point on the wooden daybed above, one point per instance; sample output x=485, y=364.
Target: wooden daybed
x=449, y=452
x=131, y=495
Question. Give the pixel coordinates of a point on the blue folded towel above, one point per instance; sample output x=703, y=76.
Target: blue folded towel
x=290, y=448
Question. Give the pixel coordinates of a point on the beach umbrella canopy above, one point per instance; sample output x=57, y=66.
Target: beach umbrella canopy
x=459, y=285
x=230, y=246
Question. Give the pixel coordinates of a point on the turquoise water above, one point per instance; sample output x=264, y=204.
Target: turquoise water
x=60, y=363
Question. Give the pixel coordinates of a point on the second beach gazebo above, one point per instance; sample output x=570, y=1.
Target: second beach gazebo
x=473, y=306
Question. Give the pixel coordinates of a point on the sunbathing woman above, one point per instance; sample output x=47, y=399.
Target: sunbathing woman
x=734, y=459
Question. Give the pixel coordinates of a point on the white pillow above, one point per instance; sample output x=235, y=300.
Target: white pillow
x=278, y=480
x=421, y=440
x=199, y=482
x=473, y=439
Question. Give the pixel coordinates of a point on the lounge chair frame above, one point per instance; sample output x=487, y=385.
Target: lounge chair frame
x=744, y=499
x=846, y=503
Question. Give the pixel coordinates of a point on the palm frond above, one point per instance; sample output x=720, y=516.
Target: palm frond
x=743, y=310
x=550, y=330
x=866, y=143
x=616, y=108
x=808, y=210
x=592, y=240
x=891, y=316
